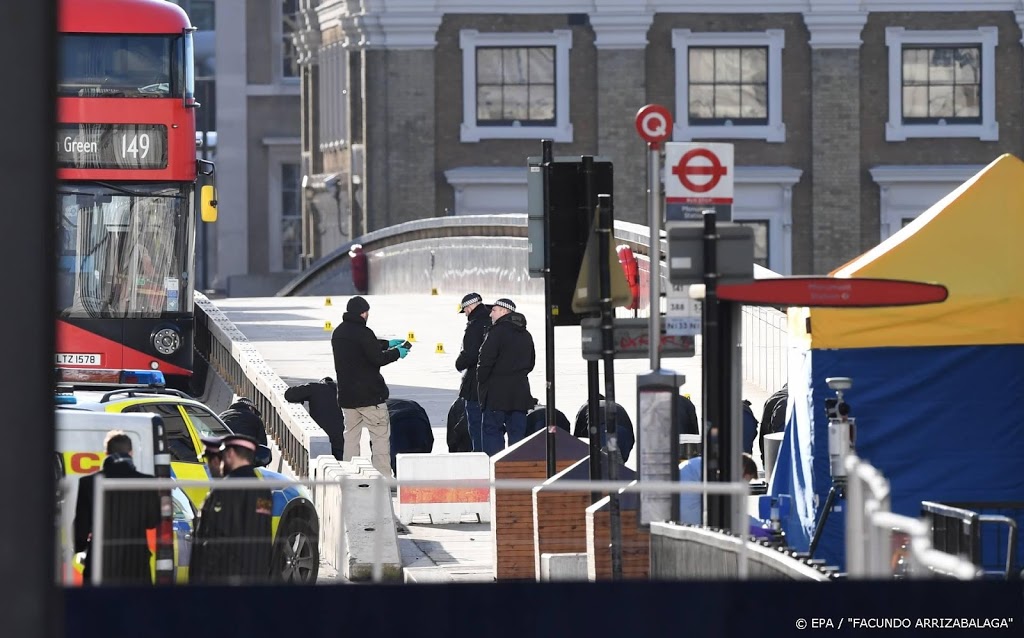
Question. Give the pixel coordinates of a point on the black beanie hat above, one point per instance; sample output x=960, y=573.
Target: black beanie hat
x=357, y=305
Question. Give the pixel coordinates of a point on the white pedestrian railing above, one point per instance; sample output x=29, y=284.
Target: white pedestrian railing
x=884, y=545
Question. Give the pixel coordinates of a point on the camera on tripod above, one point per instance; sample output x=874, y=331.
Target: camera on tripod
x=841, y=426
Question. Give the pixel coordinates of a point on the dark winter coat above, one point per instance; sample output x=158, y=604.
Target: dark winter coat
x=458, y=427
x=322, y=396
x=506, y=358
x=537, y=419
x=686, y=416
x=233, y=539
x=126, y=517
x=623, y=427
x=773, y=417
x=410, y=429
x=242, y=417
x=476, y=329
x=358, y=358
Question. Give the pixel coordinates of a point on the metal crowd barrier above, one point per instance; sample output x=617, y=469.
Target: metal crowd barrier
x=958, y=529
x=382, y=503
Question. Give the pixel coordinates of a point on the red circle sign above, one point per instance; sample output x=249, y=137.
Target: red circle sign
x=654, y=123
x=684, y=169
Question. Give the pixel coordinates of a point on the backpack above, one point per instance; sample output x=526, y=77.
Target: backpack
x=458, y=428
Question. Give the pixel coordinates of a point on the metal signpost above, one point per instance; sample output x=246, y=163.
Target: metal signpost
x=699, y=186
x=657, y=432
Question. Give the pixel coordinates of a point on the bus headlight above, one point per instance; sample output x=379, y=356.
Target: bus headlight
x=167, y=340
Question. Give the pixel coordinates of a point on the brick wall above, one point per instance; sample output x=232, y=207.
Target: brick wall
x=620, y=93
x=835, y=135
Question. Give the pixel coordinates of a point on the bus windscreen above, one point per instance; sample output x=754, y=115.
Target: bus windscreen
x=118, y=65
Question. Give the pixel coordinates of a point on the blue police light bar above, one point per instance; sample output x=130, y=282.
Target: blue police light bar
x=66, y=399
x=150, y=378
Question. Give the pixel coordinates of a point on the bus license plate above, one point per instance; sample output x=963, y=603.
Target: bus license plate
x=76, y=359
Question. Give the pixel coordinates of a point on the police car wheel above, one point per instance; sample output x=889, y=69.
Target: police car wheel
x=296, y=554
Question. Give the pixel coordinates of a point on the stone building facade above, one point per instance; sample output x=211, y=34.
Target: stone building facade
x=848, y=117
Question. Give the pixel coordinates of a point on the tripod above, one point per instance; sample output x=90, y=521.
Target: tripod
x=838, y=489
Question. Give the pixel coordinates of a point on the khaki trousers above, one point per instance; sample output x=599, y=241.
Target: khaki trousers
x=377, y=421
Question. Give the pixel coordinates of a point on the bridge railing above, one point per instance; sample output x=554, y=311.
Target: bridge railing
x=228, y=353
x=416, y=256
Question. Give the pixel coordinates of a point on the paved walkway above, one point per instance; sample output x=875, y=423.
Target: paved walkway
x=289, y=332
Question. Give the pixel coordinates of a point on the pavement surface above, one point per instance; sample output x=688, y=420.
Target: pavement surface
x=293, y=336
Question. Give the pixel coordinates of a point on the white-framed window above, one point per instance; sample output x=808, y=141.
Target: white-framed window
x=515, y=85
x=284, y=213
x=942, y=84
x=763, y=199
x=906, y=191
x=729, y=85
x=288, y=58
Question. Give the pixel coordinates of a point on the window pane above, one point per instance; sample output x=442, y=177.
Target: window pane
x=967, y=101
x=516, y=105
x=968, y=66
x=727, y=101
x=760, y=227
x=915, y=101
x=754, y=65
x=542, y=65
x=727, y=65
x=754, y=101
x=514, y=66
x=206, y=422
x=488, y=102
x=941, y=66
x=289, y=26
x=488, y=66
x=702, y=102
x=940, y=101
x=179, y=441
x=915, y=66
x=542, y=102
x=702, y=65
x=290, y=190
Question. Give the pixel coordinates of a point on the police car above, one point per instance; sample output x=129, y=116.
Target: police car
x=295, y=524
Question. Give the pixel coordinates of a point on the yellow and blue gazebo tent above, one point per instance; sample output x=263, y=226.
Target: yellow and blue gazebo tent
x=938, y=389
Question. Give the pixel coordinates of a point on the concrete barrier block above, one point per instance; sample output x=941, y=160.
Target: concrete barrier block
x=369, y=530
x=563, y=567
x=444, y=504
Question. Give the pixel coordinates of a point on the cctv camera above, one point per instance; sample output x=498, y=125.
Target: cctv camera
x=839, y=383
x=331, y=181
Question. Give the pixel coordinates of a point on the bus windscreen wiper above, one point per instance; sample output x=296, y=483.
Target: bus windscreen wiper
x=127, y=191
x=81, y=193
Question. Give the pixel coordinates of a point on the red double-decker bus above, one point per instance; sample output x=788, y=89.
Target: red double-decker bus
x=126, y=198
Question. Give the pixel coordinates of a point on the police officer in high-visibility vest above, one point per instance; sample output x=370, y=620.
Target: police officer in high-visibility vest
x=233, y=538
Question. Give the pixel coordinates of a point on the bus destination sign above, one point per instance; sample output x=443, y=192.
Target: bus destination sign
x=123, y=146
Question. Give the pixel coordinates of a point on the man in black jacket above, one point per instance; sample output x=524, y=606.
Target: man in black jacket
x=243, y=417
x=362, y=393
x=773, y=418
x=507, y=356
x=623, y=426
x=478, y=320
x=323, y=407
x=233, y=537
x=126, y=517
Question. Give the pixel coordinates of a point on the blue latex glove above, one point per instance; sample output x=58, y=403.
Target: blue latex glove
x=395, y=342
x=402, y=352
